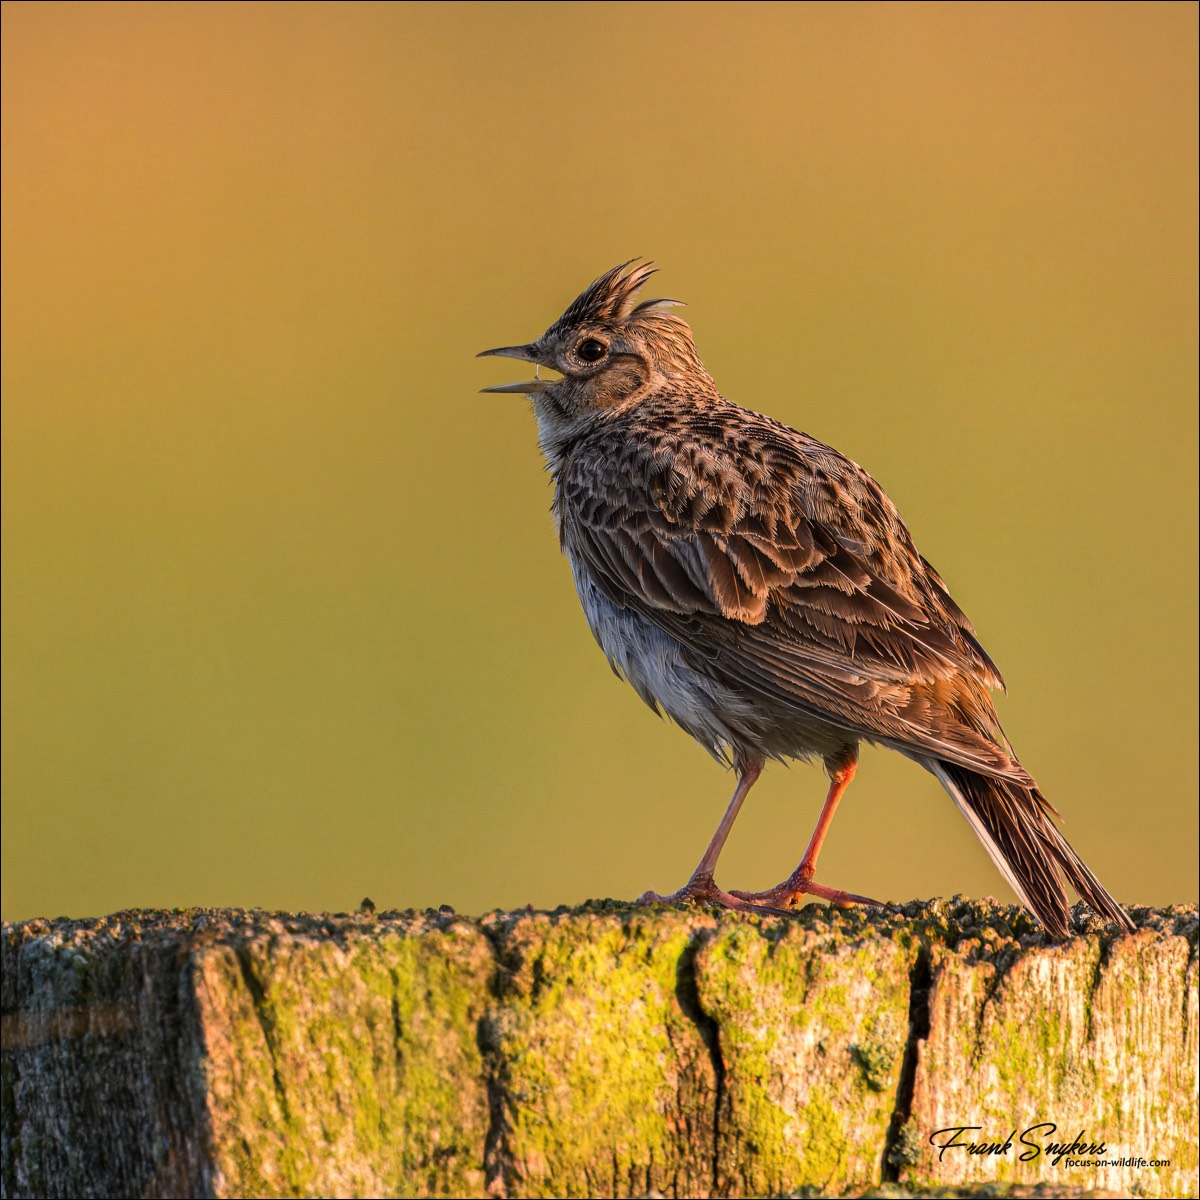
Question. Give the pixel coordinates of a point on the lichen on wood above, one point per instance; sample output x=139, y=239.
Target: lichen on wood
x=337, y=1064
x=608, y=1050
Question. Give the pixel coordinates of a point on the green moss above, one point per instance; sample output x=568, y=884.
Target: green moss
x=878, y=1054
x=907, y=1148
x=361, y=1085
x=801, y=1011
x=610, y=1082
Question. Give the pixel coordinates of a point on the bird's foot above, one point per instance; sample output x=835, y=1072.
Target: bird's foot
x=702, y=889
x=788, y=895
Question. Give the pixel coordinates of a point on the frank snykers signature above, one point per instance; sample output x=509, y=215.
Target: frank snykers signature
x=1033, y=1138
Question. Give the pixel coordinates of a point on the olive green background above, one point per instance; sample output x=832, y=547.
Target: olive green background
x=285, y=621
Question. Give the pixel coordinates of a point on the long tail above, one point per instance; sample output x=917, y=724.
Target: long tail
x=1014, y=823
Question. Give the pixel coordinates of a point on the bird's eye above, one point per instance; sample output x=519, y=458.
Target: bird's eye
x=590, y=350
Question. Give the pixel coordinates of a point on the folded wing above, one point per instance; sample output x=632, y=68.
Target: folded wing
x=788, y=573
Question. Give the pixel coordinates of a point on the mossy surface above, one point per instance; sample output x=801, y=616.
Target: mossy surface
x=607, y=1084
x=349, y=1065
x=609, y=1050
x=1095, y=1037
x=813, y=1026
x=103, y=1090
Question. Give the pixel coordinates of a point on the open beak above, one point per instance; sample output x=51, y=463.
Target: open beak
x=525, y=354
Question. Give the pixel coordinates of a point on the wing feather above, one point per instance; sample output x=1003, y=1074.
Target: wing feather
x=799, y=583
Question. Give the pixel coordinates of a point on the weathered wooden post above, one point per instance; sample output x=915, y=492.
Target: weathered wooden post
x=603, y=1051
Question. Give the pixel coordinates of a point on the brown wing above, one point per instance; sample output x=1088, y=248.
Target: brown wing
x=787, y=570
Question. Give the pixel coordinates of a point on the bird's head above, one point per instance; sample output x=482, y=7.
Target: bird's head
x=610, y=350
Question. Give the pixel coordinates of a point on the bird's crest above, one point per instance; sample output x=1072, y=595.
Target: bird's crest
x=612, y=299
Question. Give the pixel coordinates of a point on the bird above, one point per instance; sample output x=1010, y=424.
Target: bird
x=762, y=591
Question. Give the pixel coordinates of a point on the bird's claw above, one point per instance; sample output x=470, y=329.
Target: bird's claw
x=705, y=891
x=787, y=896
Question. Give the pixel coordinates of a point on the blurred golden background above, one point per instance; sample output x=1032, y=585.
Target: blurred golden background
x=285, y=621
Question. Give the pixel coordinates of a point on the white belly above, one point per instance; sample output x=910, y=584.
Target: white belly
x=654, y=663
x=730, y=726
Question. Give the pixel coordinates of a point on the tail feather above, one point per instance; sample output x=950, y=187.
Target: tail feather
x=1014, y=824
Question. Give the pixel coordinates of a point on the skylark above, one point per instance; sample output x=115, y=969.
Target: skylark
x=762, y=591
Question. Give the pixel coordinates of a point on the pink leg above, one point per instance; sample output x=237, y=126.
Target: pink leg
x=701, y=885
x=799, y=883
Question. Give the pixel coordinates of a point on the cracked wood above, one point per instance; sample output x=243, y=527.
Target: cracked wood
x=607, y=1050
